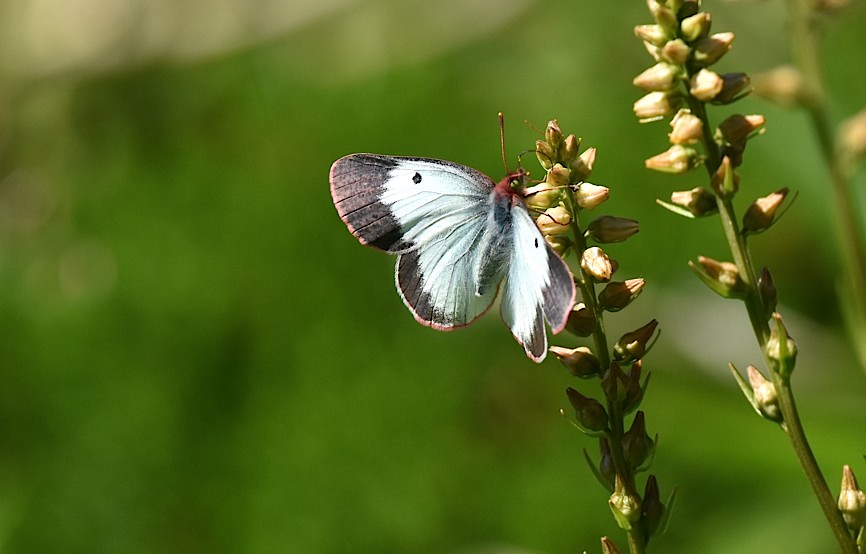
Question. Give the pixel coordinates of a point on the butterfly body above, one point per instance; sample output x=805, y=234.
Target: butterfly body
x=458, y=236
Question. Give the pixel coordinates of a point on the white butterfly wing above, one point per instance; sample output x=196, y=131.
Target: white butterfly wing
x=433, y=213
x=538, y=286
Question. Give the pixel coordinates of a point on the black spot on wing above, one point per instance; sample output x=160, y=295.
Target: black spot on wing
x=416, y=178
x=356, y=188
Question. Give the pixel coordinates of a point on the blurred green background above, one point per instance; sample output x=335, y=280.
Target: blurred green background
x=196, y=356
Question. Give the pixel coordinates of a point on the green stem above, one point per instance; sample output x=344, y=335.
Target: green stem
x=756, y=310
x=805, y=48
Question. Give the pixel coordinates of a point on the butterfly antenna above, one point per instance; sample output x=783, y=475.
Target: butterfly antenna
x=502, y=140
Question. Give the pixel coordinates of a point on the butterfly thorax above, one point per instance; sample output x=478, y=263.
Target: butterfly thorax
x=498, y=235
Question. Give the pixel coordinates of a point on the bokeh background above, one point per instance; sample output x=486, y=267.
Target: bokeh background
x=196, y=356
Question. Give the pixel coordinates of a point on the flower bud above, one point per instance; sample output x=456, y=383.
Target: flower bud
x=545, y=153
x=723, y=278
x=606, y=469
x=543, y=196
x=559, y=243
x=581, y=167
x=655, y=105
x=637, y=445
x=852, y=501
x=568, y=150
x=736, y=86
x=580, y=321
x=725, y=181
x=617, y=295
x=665, y=16
x=737, y=128
x=580, y=361
x=634, y=390
x=626, y=507
x=554, y=221
x=699, y=201
x=765, y=398
x=596, y=264
x=653, y=509
x=589, y=412
x=761, y=214
x=588, y=196
x=633, y=345
x=695, y=26
x=660, y=77
x=781, y=348
x=608, y=228
x=709, y=50
x=608, y=546
x=687, y=128
x=783, y=85
x=675, y=51
x=614, y=383
x=705, y=85
x=553, y=134
x=852, y=138
x=558, y=176
x=767, y=289
x=656, y=35
x=829, y=6
x=677, y=159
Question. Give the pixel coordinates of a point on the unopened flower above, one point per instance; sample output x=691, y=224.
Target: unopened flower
x=709, y=50
x=676, y=159
x=559, y=243
x=675, y=51
x=735, y=86
x=619, y=294
x=705, y=85
x=660, y=77
x=589, y=412
x=695, y=26
x=637, y=445
x=607, y=229
x=852, y=138
x=568, y=150
x=699, y=201
x=626, y=508
x=762, y=212
x=558, y=176
x=781, y=348
x=653, y=508
x=686, y=128
x=554, y=221
x=581, y=167
x=545, y=153
x=633, y=345
x=783, y=85
x=580, y=321
x=580, y=361
x=608, y=546
x=766, y=399
x=767, y=289
x=596, y=264
x=655, y=105
x=852, y=501
x=588, y=196
x=723, y=278
x=725, y=181
x=543, y=196
x=553, y=134
x=655, y=35
x=737, y=128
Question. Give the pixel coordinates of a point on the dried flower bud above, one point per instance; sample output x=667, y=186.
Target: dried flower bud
x=626, y=508
x=608, y=547
x=781, y=348
x=687, y=128
x=588, y=196
x=767, y=289
x=554, y=221
x=676, y=159
x=559, y=243
x=636, y=444
x=762, y=213
x=568, y=150
x=783, y=85
x=580, y=321
x=653, y=509
x=660, y=77
x=633, y=345
x=558, y=176
x=607, y=229
x=634, y=391
x=699, y=201
x=553, y=134
x=723, y=278
x=765, y=398
x=656, y=105
x=735, y=86
x=615, y=383
x=543, y=196
x=545, y=153
x=705, y=85
x=617, y=295
x=589, y=412
x=737, y=128
x=852, y=500
x=596, y=264
x=656, y=35
x=852, y=138
x=695, y=26
x=580, y=361
x=605, y=463
x=581, y=167
x=725, y=181
x=709, y=50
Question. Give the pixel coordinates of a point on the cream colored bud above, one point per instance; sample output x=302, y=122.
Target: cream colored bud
x=656, y=105
x=559, y=243
x=580, y=361
x=762, y=213
x=723, y=278
x=766, y=400
x=554, y=221
x=543, y=196
x=553, y=134
x=665, y=16
x=709, y=50
x=676, y=159
x=695, y=26
x=705, y=85
x=675, y=51
x=783, y=85
x=569, y=148
x=687, y=128
x=852, y=138
x=581, y=167
x=558, y=176
x=660, y=77
x=852, y=500
x=607, y=229
x=589, y=196
x=782, y=352
x=596, y=264
x=699, y=201
x=655, y=35
x=545, y=153
x=737, y=128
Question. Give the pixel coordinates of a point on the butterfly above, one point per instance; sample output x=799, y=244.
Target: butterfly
x=458, y=236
